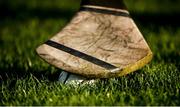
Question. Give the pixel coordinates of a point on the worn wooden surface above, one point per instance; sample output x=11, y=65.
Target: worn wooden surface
x=111, y=38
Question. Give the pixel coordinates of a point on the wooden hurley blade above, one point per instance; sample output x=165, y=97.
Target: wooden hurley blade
x=98, y=43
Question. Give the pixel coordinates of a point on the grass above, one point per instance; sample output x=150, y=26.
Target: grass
x=26, y=80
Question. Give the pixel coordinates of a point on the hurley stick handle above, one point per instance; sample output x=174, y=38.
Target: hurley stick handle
x=118, y=4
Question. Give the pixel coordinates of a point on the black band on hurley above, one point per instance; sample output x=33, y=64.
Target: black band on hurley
x=104, y=11
x=118, y=4
x=81, y=55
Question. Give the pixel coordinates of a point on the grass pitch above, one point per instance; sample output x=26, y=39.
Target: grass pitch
x=26, y=80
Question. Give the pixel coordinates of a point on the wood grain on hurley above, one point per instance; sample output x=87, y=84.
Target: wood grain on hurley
x=96, y=44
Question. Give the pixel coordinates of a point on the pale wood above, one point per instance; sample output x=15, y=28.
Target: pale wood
x=111, y=38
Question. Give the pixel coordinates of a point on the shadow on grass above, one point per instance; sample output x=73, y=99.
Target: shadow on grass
x=23, y=14
x=157, y=19
x=171, y=58
x=13, y=72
